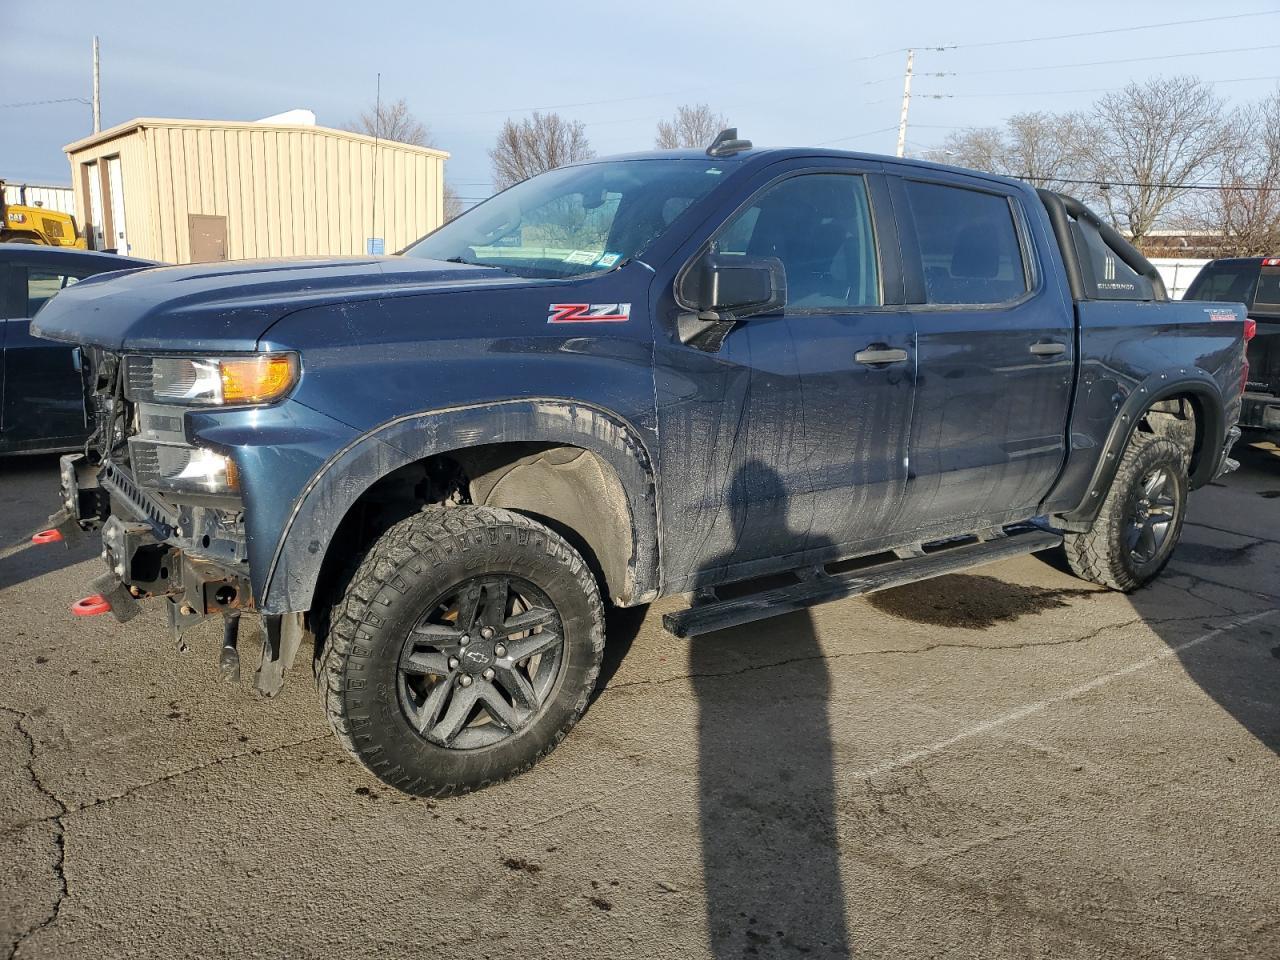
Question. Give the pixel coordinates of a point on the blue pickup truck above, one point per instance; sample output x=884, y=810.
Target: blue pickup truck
x=806, y=373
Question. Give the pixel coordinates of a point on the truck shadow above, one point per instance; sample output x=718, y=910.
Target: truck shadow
x=766, y=774
x=1228, y=577
x=29, y=492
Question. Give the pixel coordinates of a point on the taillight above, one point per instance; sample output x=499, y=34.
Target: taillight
x=1250, y=331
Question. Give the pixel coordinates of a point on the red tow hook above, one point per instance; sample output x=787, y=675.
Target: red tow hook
x=46, y=536
x=91, y=606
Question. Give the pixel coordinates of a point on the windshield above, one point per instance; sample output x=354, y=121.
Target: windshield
x=573, y=220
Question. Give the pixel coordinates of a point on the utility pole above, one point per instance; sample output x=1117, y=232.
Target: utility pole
x=370, y=244
x=906, y=104
x=97, y=99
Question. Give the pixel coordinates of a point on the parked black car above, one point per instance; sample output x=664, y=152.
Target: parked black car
x=1255, y=282
x=42, y=402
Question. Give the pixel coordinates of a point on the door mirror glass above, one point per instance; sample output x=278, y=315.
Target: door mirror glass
x=734, y=286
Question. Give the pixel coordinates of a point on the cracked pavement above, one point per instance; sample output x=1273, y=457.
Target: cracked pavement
x=1003, y=763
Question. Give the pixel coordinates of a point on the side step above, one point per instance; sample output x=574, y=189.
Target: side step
x=822, y=587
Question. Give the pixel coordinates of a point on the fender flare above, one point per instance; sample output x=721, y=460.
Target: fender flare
x=1161, y=385
x=328, y=496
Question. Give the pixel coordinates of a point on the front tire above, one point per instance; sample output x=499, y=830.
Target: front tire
x=1140, y=522
x=465, y=648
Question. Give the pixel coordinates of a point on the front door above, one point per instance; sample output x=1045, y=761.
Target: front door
x=995, y=355
x=43, y=398
x=786, y=444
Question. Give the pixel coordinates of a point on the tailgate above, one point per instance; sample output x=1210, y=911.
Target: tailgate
x=1264, y=358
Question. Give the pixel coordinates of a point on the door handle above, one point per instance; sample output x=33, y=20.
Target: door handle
x=874, y=354
x=1048, y=348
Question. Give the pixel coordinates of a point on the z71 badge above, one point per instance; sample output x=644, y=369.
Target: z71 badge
x=589, y=313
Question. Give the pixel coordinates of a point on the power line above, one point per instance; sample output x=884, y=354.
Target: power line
x=855, y=136
x=40, y=103
x=1154, y=186
x=1050, y=93
x=560, y=106
x=1098, y=33
x=1101, y=63
x=880, y=55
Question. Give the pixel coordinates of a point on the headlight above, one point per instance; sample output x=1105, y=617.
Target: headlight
x=182, y=469
x=212, y=381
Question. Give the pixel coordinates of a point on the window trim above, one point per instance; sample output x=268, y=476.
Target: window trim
x=1033, y=275
x=881, y=253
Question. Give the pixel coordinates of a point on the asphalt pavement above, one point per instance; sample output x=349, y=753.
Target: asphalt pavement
x=1004, y=763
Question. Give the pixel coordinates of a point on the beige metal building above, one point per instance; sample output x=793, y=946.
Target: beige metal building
x=197, y=190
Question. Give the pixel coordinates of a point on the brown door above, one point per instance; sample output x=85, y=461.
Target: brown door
x=208, y=237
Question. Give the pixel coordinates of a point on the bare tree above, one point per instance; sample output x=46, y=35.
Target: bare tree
x=535, y=145
x=392, y=121
x=978, y=148
x=1049, y=150
x=1244, y=216
x=1154, y=139
x=452, y=203
x=395, y=121
x=692, y=126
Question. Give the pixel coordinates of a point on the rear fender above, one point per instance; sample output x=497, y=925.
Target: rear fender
x=339, y=483
x=1211, y=430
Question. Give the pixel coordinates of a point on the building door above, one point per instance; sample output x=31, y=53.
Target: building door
x=97, y=239
x=115, y=187
x=208, y=237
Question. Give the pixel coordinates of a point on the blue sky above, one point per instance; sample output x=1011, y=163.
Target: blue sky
x=800, y=72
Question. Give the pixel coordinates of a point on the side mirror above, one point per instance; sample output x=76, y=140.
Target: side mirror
x=733, y=287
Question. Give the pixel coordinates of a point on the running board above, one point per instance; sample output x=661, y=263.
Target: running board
x=818, y=586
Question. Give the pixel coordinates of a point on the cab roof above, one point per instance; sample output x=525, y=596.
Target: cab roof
x=761, y=156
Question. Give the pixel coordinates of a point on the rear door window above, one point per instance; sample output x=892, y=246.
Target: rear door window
x=969, y=245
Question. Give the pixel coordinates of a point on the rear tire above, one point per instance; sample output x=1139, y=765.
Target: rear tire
x=1138, y=527
x=465, y=648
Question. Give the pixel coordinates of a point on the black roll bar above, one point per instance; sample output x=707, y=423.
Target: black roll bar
x=1060, y=208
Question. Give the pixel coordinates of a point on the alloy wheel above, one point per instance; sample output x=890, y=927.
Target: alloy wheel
x=482, y=662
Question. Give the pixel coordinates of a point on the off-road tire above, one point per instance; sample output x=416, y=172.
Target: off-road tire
x=1101, y=555
x=413, y=562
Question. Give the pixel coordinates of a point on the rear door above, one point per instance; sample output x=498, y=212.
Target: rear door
x=995, y=353
x=43, y=399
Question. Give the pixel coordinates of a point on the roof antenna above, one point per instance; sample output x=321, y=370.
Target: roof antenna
x=727, y=143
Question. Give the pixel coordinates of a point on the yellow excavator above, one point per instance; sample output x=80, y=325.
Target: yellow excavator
x=24, y=223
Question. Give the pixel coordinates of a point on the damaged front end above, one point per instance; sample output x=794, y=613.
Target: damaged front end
x=168, y=507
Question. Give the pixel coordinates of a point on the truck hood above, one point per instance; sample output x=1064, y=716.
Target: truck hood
x=228, y=306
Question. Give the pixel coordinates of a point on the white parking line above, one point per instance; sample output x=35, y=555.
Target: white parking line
x=1039, y=706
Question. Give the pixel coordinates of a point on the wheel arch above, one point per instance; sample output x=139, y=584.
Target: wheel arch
x=603, y=481
x=1151, y=396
